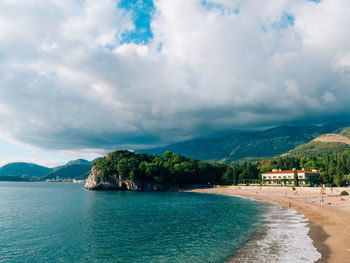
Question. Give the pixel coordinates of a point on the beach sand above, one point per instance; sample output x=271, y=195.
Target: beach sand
x=329, y=220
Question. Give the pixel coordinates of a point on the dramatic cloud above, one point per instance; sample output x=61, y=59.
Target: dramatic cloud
x=74, y=75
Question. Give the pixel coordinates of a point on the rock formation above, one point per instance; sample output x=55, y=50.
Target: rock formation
x=96, y=181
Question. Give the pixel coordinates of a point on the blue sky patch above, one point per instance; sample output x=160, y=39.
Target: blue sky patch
x=286, y=21
x=142, y=11
x=219, y=7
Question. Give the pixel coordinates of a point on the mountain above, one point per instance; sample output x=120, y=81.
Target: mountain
x=24, y=169
x=249, y=145
x=325, y=144
x=78, y=162
x=74, y=162
x=77, y=169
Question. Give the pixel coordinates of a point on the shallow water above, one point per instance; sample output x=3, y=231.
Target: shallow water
x=41, y=222
x=281, y=238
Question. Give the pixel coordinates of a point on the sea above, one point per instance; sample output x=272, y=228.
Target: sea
x=63, y=222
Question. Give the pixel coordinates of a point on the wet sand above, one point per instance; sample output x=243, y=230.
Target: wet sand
x=329, y=220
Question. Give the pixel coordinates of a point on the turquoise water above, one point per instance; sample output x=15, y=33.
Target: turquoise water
x=42, y=222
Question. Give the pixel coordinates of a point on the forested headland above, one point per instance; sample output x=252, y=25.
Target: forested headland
x=171, y=169
x=174, y=170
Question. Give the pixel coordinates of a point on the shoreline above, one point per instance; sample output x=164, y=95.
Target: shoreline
x=329, y=222
x=318, y=236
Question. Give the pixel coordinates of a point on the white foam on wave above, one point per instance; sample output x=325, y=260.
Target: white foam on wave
x=282, y=237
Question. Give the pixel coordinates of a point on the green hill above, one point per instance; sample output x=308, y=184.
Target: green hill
x=77, y=169
x=325, y=144
x=320, y=148
x=24, y=169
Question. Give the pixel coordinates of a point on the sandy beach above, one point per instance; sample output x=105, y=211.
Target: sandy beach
x=329, y=217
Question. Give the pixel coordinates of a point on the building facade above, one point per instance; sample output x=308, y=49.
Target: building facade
x=287, y=176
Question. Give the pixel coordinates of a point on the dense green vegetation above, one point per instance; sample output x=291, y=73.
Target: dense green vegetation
x=173, y=169
x=170, y=170
x=334, y=168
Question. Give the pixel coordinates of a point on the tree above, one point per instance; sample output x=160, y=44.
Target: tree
x=167, y=155
x=325, y=177
x=296, y=179
x=252, y=171
x=284, y=181
x=309, y=165
x=339, y=171
x=227, y=178
x=338, y=179
x=235, y=176
x=332, y=167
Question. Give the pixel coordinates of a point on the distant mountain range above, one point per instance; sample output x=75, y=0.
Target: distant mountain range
x=279, y=141
x=77, y=169
x=24, y=169
x=250, y=145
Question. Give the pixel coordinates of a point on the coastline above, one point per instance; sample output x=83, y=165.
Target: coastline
x=329, y=222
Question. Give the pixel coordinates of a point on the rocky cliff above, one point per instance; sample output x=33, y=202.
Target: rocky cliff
x=96, y=181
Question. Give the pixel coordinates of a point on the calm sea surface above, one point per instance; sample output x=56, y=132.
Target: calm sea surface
x=45, y=222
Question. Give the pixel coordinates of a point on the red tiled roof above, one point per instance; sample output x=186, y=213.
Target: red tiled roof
x=292, y=171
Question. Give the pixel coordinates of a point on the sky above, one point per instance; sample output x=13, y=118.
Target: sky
x=80, y=78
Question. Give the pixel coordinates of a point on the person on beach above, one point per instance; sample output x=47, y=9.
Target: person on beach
x=323, y=190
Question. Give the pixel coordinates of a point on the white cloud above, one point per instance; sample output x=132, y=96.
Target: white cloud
x=292, y=89
x=341, y=65
x=70, y=84
x=328, y=97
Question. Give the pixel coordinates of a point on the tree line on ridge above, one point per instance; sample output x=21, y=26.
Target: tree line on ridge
x=173, y=169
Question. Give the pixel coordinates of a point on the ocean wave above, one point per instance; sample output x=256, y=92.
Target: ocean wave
x=282, y=237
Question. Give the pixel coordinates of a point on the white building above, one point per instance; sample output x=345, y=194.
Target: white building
x=278, y=176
